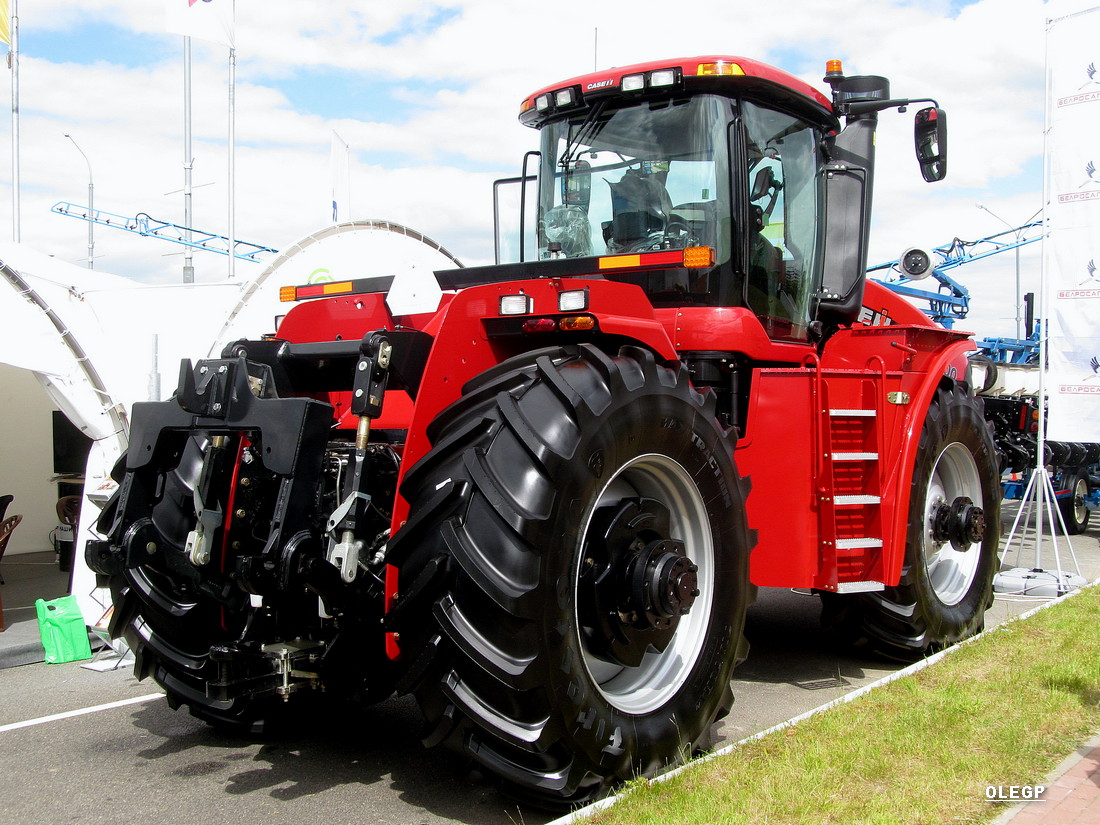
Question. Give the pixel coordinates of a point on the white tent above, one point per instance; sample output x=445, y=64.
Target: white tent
x=98, y=342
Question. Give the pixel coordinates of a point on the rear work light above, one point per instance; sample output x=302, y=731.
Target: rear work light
x=656, y=79
x=573, y=300
x=515, y=304
x=664, y=77
x=565, y=98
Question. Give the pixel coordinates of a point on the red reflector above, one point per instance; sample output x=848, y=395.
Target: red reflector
x=539, y=325
x=671, y=257
x=317, y=290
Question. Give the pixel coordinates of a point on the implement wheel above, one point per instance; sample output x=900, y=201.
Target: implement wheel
x=1074, y=512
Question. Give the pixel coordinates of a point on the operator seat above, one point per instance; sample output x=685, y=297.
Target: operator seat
x=568, y=226
x=640, y=208
x=765, y=276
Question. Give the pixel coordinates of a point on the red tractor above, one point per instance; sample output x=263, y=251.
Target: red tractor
x=531, y=508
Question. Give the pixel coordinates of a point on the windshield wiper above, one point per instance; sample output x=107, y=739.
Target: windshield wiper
x=574, y=142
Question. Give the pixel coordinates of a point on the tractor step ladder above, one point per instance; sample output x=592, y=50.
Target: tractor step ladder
x=849, y=479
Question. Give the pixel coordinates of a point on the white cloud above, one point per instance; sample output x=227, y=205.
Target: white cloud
x=459, y=69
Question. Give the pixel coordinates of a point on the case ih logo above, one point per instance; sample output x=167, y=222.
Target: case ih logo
x=1088, y=92
x=1088, y=190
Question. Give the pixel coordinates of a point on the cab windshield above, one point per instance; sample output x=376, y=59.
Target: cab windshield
x=647, y=177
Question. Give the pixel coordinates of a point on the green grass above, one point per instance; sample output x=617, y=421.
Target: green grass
x=1003, y=710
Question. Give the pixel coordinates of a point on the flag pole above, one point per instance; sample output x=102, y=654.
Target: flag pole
x=232, y=163
x=14, y=57
x=188, y=163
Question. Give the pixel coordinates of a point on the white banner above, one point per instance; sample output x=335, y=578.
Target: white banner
x=1072, y=250
x=205, y=19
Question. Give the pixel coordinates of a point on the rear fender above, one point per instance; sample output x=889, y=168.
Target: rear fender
x=469, y=339
x=948, y=364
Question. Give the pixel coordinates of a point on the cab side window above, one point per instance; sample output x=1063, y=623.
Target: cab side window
x=783, y=211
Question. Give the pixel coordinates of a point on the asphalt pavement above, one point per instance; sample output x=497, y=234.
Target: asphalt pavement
x=82, y=746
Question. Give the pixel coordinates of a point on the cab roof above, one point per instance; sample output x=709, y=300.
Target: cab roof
x=704, y=73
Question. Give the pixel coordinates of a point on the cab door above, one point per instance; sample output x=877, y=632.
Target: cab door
x=781, y=188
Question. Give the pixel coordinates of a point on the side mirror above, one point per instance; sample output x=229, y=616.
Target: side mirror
x=576, y=185
x=762, y=183
x=930, y=136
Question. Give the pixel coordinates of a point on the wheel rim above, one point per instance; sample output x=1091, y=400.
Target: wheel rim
x=660, y=675
x=951, y=569
x=1080, y=492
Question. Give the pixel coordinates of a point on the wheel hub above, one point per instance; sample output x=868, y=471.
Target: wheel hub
x=635, y=583
x=660, y=585
x=961, y=522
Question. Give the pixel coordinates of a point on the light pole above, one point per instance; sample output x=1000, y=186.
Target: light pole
x=91, y=203
x=1018, y=231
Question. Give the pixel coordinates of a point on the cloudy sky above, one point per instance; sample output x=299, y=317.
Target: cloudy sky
x=426, y=94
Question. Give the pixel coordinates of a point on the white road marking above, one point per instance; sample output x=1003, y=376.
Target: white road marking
x=41, y=720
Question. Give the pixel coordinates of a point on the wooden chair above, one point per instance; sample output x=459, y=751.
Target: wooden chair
x=68, y=510
x=6, y=528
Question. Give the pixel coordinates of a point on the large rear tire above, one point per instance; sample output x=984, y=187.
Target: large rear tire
x=172, y=613
x=951, y=551
x=574, y=573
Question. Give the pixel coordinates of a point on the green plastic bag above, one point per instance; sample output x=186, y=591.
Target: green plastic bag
x=64, y=634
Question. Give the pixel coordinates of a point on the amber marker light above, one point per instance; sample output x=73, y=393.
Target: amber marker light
x=698, y=257
x=721, y=67
x=834, y=71
x=577, y=323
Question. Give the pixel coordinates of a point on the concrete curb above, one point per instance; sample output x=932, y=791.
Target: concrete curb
x=582, y=813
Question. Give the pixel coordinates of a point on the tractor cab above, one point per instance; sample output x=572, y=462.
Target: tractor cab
x=731, y=162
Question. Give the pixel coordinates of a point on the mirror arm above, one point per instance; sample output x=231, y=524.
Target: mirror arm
x=862, y=107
